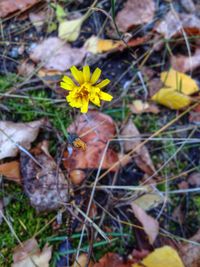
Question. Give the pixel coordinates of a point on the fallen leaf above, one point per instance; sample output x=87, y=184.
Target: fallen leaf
x=112, y=260
x=161, y=257
x=96, y=45
x=194, y=179
x=176, y=90
x=180, y=82
x=184, y=63
x=95, y=130
x=188, y=5
x=195, y=115
x=139, y=107
x=69, y=30
x=8, y=7
x=26, y=68
x=190, y=252
x=150, y=225
x=135, y=13
x=174, y=24
x=29, y=255
x=12, y=133
x=44, y=183
x=142, y=157
x=149, y=201
x=83, y=261
x=171, y=99
x=55, y=54
x=38, y=19
x=1, y=211
x=11, y=170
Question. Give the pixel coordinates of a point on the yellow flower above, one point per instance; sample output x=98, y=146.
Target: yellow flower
x=85, y=88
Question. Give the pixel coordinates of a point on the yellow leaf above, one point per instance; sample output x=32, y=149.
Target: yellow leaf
x=177, y=88
x=179, y=82
x=161, y=257
x=171, y=99
x=69, y=30
x=96, y=45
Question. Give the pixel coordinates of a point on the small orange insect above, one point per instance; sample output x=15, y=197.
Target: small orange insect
x=76, y=142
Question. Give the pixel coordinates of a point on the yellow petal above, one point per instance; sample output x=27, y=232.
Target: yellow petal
x=66, y=86
x=161, y=257
x=68, y=80
x=86, y=73
x=171, y=99
x=105, y=96
x=95, y=76
x=84, y=107
x=103, y=83
x=95, y=100
x=78, y=75
x=179, y=82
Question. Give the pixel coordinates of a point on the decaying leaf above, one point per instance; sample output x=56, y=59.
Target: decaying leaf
x=69, y=30
x=96, y=45
x=184, y=63
x=139, y=107
x=26, y=68
x=95, y=130
x=55, y=54
x=176, y=90
x=44, y=183
x=135, y=13
x=190, y=252
x=174, y=24
x=11, y=170
x=10, y=6
x=161, y=257
x=17, y=133
x=29, y=255
x=38, y=19
x=195, y=115
x=112, y=260
x=141, y=157
x=150, y=225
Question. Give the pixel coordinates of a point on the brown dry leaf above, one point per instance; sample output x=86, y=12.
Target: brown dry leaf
x=135, y=13
x=8, y=7
x=195, y=115
x=150, y=225
x=55, y=54
x=38, y=19
x=190, y=252
x=139, y=107
x=142, y=158
x=194, y=179
x=29, y=255
x=26, y=68
x=82, y=261
x=11, y=170
x=161, y=257
x=95, y=130
x=185, y=64
x=112, y=260
x=12, y=133
x=174, y=24
x=44, y=184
